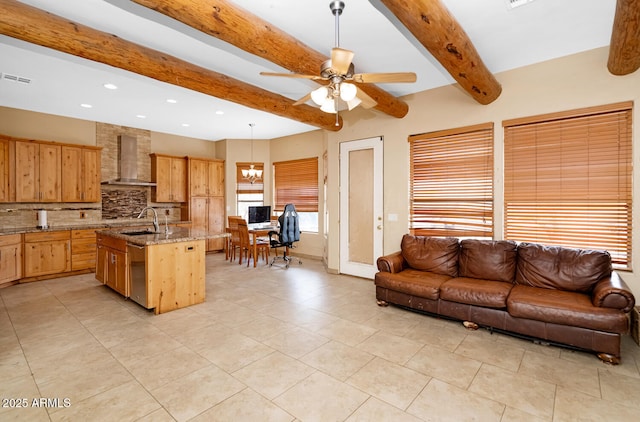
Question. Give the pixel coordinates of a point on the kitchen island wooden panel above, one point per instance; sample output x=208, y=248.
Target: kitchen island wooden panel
x=175, y=275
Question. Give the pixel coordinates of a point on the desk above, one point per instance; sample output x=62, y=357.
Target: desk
x=256, y=233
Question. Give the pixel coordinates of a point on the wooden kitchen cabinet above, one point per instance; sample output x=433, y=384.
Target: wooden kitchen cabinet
x=5, y=166
x=81, y=174
x=216, y=178
x=102, y=255
x=170, y=175
x=47, y=253
x=117, y=272
x=10, y=258
x=111, y=264
x=207, y=207
x=83, y=250
x=206, y=177
x=207, y=214
x=38, y=171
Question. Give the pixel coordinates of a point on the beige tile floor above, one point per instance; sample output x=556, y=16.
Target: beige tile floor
x=271, y=344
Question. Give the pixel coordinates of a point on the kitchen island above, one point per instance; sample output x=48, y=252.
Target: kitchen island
x=160, y=271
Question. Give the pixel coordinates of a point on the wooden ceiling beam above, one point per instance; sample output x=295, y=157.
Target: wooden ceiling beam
x=36, y=26
x=624, y=49
x=224, y=20
x=438, y=31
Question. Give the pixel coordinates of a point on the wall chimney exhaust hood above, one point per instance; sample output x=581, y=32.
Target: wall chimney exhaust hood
x=128, y=164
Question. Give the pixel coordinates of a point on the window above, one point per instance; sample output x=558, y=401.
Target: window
x=451, y=182
x=296, y=182
x=568, y=180
x=247, y=193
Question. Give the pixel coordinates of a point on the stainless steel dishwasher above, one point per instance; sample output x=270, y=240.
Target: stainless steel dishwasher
x=137, y=274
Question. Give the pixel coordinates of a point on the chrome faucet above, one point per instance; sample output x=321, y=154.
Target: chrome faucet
x=156, y=226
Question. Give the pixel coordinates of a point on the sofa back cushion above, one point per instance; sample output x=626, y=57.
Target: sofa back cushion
x=436, y=254
x=556, y=267
x=488, y=259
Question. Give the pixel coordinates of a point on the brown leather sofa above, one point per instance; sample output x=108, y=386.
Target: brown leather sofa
x=554, y=294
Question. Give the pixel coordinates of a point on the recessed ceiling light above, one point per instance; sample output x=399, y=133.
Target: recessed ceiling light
x=219, y=112
x=86, y=105
x=171, y=101
x=141, y=116
x=186, y=125
x=110, y=86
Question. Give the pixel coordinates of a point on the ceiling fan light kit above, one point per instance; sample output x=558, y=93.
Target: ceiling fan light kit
x=339, y=71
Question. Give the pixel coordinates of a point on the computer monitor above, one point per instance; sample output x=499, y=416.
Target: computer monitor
x=261, y=214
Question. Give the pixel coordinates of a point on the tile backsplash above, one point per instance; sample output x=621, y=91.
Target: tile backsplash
x=123, y=202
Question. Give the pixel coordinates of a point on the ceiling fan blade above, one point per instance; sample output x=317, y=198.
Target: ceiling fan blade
x=293, y=75
x=341, y=60
x=384, y=77
x=303, y=99
x=366, y=100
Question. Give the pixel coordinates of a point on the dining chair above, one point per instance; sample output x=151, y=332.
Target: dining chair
x=234, y=239
x=246, y=243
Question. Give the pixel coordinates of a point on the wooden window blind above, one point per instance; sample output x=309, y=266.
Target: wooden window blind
x=568, y=180
x=296, y=182
x=451, y=182
x=243, y=185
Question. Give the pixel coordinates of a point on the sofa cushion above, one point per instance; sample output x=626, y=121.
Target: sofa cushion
x=488, y=259
x=564, y=308
x=473, y=291
x=413, y=282
x=556, y=267
x=434, y=254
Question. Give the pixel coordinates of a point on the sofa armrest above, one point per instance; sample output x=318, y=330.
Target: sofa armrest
x=392, y=263
x=613, y=292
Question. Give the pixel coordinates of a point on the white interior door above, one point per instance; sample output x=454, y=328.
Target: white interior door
x=361, y=206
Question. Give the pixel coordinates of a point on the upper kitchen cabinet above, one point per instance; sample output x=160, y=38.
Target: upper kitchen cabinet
x=5, y=164
x=170, y=175
x=81, y=174
x=37, y=172
x=206, y=177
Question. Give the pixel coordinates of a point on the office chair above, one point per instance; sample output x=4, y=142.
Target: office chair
x=288, y=234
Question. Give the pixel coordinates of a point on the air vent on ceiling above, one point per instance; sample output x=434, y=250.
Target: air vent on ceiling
x=15, y=78
x=512, y=4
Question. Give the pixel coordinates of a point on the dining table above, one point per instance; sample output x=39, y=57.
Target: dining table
x=256, y=233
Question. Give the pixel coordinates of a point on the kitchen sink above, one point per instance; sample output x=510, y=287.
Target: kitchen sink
x=138, y=233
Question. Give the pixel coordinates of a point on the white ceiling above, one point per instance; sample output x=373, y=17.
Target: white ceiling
x=505, y=39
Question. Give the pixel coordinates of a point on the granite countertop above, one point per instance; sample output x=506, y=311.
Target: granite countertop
x=102, y=224
x=176, y=234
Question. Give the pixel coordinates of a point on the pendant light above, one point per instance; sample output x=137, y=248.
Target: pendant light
x=252, y=174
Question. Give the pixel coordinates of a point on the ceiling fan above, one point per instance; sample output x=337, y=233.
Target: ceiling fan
x=339, y=71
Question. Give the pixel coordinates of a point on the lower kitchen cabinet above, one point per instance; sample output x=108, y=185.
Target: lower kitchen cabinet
x=47, y=253
x=10, y=258
x=111, y=263
x=207, y=214
x=83, y=249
